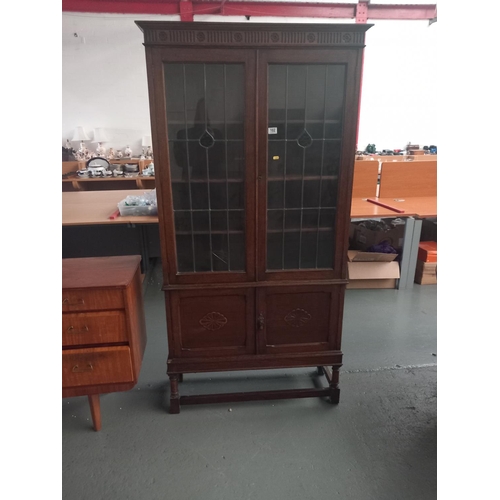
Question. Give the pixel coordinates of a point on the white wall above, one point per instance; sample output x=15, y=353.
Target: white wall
x=399, y=96
x=104, y=79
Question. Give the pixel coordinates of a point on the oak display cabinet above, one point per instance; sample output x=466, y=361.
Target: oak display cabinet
x=254, y=132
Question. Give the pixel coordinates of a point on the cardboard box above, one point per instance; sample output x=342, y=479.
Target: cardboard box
x=372, y=270
x=364, y=237
x=427, y=251
x=426, y=273
x=358, y=256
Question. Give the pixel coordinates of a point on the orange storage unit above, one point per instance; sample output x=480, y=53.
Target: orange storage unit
x=427, y=251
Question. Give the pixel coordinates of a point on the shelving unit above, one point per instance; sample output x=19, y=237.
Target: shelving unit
x=72, y=182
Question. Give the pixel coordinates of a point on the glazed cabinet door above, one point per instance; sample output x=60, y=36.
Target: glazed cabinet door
x=298, y=319
x=211, y=324
x=308, y=103
x=203, y=107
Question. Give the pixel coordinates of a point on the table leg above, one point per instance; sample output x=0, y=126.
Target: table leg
x=144, y=248
x=174, y=393
x=410, y=251
x=95, y=410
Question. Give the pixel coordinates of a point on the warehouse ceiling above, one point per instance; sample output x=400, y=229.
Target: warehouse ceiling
x=359, y=11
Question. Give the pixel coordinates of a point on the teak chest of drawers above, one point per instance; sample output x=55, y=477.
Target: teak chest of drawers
x=103, y=327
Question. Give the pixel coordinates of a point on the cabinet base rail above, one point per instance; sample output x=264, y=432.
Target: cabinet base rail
x=332, y=391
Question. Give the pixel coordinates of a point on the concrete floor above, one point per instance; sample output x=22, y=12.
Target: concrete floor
x=379, y=443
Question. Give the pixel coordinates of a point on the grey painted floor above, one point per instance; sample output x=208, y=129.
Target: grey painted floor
x=379, y=443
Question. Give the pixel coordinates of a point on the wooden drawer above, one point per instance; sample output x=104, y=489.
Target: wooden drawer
x=93, y=328
x=102, y=365
x=95, y=299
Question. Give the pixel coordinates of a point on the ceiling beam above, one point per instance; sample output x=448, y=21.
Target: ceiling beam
x=187, y=9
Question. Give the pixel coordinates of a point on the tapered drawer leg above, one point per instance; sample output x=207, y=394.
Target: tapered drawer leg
x=95, y=410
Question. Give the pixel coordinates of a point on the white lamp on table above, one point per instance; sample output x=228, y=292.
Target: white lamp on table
x=81, y=135
x=146, y=147
x=100, y=137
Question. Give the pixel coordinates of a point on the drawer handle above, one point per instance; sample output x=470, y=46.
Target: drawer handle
x=80, y=369
x=72, y=329
x=79, y=302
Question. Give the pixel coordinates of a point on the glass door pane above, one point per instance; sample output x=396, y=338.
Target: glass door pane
x=205, y=120
x=305, y=110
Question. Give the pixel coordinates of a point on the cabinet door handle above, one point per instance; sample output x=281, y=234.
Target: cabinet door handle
x=80, y=369
x=79, y=302
x=260, y=322
x=84, y=328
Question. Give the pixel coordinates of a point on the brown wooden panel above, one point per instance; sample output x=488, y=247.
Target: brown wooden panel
x=95, y=272
x=136, y=321
x=87, y=300
x=254, y=362
x=217, y=324
x=102, y=365
x=408, y=179
x=365, y=179
x=93, y=328
x=298, y=319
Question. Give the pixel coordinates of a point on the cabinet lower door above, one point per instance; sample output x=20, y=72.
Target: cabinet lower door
x=208, y=323
x=299, y=318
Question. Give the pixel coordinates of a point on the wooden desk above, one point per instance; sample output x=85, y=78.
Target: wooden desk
x=363, y=209
x=419, y=206
x=415, y=209
x=89, y=232
x=95, y=207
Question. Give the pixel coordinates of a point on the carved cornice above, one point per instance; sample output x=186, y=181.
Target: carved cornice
x=255, y=35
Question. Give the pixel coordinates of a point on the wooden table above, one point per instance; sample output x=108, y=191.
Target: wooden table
x=413, y=209
x=361, y=208
x=88, y=230
x=419, y=206
x=93, y=208
x=96, y=207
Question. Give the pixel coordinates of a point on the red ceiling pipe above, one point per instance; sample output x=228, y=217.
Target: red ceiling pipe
x=251, y=8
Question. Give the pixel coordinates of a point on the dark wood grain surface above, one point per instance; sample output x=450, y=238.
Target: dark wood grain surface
x=258, y=318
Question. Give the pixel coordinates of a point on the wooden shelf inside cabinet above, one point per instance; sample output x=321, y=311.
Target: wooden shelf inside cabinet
x=254, y=297
x=303, y=177
x=300, y=230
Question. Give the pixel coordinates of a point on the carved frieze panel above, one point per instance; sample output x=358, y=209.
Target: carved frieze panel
x=268, y=36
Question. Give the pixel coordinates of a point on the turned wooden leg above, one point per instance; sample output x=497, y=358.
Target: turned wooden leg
x=181, y=377
x=334, y=387
x=320, y=370
x=174, y=393
x=95, y=410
